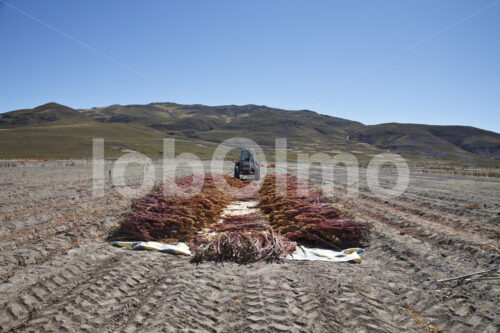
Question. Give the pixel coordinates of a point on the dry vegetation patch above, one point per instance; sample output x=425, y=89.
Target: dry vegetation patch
x=164, y=215
x=310, y=217
x=174, y=212
x=242, y=246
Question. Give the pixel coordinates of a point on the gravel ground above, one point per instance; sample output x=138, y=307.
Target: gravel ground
x=59, y=273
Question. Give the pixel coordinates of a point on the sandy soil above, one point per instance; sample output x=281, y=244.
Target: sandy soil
x=59, y=273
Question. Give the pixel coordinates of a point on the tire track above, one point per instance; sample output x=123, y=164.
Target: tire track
x=35, y=254
x=103, y=299
x=21, y=303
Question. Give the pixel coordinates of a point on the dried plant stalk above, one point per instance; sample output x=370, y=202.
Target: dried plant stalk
x=242, y=247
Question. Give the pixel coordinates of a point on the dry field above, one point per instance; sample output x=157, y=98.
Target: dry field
x=59, y=273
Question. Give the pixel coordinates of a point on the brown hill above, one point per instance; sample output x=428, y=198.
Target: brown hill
x=304, y=129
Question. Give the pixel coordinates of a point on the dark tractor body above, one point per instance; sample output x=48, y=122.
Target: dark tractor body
x=247, y=165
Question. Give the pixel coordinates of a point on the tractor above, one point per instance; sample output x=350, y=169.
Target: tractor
x=247, y=165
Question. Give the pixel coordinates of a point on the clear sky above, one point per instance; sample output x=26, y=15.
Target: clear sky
x=334, y=57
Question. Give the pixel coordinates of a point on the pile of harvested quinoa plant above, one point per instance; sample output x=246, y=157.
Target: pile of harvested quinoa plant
x=165, y=214
x=243, y=239
x=242, y=247
x=309, y=218
x=242, y=190
x=246, y=222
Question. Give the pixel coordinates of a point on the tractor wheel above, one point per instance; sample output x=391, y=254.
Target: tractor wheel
x=236, y=172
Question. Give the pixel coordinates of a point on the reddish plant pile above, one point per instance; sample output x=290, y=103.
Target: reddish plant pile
x=307, y=218
x=242, y=247
x=242, y=190
x=242, y=238
x=177, y=210
x=169, y=214
x=247, y=222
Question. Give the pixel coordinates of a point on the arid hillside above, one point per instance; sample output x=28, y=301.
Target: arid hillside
x=39, y=132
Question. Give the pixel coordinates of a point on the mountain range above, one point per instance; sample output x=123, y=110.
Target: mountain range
x=56, y=131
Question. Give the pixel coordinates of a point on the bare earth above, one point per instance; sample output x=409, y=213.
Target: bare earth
x=59, y=273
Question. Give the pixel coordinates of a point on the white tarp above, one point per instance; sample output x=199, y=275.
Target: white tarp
x=240, y=208
x=179, y=248
x=301, y=252
x=312, y=254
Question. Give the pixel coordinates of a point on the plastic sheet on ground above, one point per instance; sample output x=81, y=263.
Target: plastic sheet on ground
x=313, y=254
x=240, y=208
x=301, y=253
x=177, y=249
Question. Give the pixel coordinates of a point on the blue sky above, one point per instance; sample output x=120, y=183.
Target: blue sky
x=288, y=54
